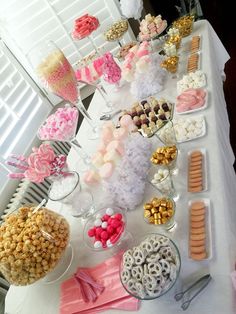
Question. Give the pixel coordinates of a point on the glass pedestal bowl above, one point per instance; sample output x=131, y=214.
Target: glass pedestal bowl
x=106, y=229
x=150, y=269
x=68, y=190
x=34, y=242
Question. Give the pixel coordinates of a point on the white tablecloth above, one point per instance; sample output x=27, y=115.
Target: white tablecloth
x=219, y=296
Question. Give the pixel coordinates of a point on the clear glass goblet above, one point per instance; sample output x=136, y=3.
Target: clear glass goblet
x=61, y=126
x=68, y=190
x=58, y=76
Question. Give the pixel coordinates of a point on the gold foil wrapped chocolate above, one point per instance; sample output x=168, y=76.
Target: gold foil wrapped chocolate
x=171, y=64
x=185, y=25
x=161, y=212
x=164, y=155
x=176, y=40
x=117, y=30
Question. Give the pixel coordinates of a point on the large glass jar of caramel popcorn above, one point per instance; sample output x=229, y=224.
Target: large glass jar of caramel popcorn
x=32, y=243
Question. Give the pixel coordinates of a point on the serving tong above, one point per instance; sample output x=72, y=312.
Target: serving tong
x=203, y=282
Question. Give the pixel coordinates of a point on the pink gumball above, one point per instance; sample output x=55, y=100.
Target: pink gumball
x=104, y=235
x=110, y=230
x=118, y=216
x=91, y=232
x=99, y=230
x=115, y=223
x=105, y=217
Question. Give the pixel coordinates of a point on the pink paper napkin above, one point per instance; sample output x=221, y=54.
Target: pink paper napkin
x=114, y=295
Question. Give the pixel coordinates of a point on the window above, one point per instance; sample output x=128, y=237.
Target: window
x=22, y=109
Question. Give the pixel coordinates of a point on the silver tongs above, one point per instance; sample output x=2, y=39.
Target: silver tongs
x=203, y=282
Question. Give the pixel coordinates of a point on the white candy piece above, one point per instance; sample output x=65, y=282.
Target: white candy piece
x=109, y=244
x=104, y=224
x=97, y=244
x=109, y=211
x=97, y=223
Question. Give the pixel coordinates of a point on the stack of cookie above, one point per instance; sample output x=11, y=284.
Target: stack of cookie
x=195, y=172
x=195, y=44
x=193, y=63
x=197, y=231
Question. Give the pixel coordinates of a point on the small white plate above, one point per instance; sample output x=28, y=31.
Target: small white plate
x=208, y=222
x=191, y=138
x=204, y=168
x=194, y=110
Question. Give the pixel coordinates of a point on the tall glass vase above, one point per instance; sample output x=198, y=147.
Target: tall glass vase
x=57, y=75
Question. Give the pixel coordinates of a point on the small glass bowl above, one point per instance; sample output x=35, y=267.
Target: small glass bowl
x=184, y=24
x=168, y=275
x=157, y=212
x=66, y=196
x=115, y=239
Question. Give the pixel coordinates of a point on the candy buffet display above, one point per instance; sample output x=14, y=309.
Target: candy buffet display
x=116, y=30
x=39, y=165
x=164, y=155
x=191, y=100
x=151, y=27
x=105, y=228
x=150, y=114
x=184, y=25
x=197, y=171
x=160, y=211
x=199, y=230
x=187, y=129
x=84, y=26
x=32, y=243
x=193, y=62
x=151, y=268
x=195, y=79
x=131, y=8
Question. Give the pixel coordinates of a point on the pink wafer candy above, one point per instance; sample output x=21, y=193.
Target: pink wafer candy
x=16, y=175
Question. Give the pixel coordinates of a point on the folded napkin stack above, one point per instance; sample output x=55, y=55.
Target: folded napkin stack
x=92, y=290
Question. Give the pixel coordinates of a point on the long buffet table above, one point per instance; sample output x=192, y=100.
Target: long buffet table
x=219, y=296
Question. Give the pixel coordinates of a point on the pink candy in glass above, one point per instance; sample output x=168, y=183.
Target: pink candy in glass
x=60, y=126
x=108, y=236
x=111, y=70
x=84, y=26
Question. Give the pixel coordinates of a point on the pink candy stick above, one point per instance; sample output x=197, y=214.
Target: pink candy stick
x=18, y=157
x=88, y=291
x=17, y=165
x=16, y=175
x=86, y=277
x=83, y=294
